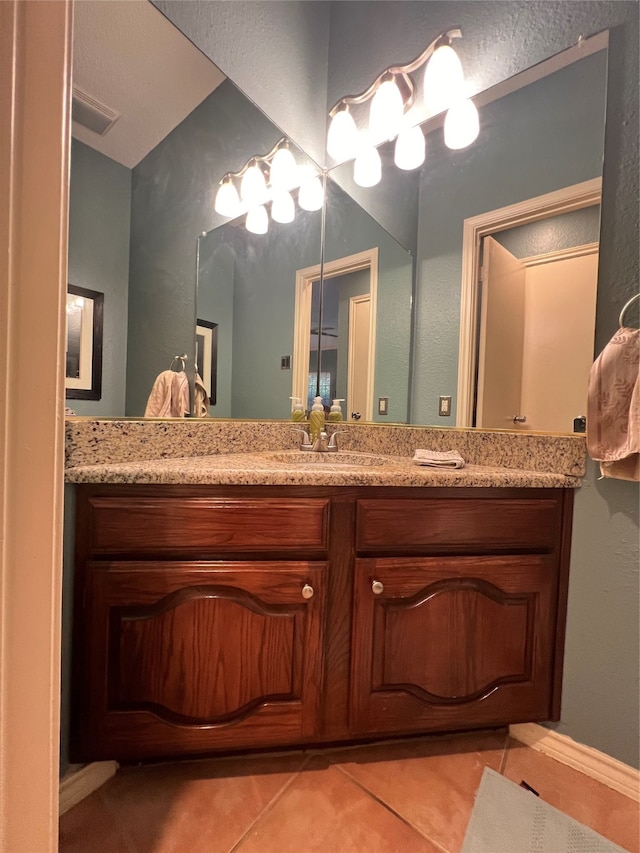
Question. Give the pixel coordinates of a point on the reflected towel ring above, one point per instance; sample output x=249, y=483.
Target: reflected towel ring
x=626, y=306
x=181, y=358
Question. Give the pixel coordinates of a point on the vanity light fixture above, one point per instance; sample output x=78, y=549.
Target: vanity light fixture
x=392, y=95
x=269, y=178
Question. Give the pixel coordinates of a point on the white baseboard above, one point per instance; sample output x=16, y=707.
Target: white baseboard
x=599, y=766
x=78, y=784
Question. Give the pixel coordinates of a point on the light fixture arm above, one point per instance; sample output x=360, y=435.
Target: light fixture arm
x=254, y=160
x=401, y=74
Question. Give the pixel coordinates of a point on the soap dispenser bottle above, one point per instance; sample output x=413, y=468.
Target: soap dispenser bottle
x=335, y=414
x=316, y=419
x=297, y=412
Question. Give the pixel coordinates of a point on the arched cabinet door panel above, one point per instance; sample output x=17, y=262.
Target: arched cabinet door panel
x=441, y=642
x=186, y=657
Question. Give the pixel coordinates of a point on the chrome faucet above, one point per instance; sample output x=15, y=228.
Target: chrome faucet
x=322, y=444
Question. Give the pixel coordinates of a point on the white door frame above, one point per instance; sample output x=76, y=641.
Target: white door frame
x=302, y=317
x=576, y=197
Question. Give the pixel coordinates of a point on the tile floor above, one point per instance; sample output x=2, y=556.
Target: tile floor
x=410, y=796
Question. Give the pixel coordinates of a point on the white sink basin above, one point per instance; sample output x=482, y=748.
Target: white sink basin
x=342, y=459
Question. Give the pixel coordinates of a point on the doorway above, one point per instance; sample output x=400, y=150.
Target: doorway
x=537, y=326
x=526, y=327
x=348, y=333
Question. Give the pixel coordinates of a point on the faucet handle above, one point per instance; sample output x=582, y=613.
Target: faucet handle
x=305, y=443
x=333, y=441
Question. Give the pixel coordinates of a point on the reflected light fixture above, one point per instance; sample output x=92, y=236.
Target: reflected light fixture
x=311, y=194
x=227, y=201
x=253, y=186
x=271, y=177
x=284, y=170
x=392, y=95
x=283, y=209
x=257, y=220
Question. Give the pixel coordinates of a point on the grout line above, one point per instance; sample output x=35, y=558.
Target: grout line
x=390, y=809
x=505, y=755
x=270, y=805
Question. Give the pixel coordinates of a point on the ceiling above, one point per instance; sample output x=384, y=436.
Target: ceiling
x=129, y=57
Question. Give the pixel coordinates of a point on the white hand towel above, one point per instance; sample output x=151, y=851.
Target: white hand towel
x=439, y=458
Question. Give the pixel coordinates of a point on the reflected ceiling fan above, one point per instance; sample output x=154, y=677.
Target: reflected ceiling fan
x=327, y=332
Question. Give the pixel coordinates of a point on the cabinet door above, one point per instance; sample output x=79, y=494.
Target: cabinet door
x=189, y=657
x=442, y=643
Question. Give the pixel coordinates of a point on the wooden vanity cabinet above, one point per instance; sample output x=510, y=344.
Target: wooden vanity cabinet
x=220, y=618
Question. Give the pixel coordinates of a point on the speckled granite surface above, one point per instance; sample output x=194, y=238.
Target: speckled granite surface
x=251, y=469
x=155, y=451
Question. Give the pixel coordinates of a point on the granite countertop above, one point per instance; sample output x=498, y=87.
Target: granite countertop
x=291, y=467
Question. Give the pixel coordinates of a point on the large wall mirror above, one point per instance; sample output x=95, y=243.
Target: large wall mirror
x=143, y=231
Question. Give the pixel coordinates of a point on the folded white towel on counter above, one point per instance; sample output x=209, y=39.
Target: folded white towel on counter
x=439, y=458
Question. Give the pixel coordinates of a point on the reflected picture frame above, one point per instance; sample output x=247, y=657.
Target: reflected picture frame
x=207, y=357
x=85, y=316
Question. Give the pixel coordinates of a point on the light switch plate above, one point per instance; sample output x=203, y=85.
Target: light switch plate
x=383, y=405
x=444, y=408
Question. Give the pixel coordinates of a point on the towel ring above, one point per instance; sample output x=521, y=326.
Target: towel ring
x=181, y=358
x=626, y=306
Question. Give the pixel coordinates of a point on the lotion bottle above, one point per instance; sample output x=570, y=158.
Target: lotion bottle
x=335, y=414
x=297, y=412
x=316, y=419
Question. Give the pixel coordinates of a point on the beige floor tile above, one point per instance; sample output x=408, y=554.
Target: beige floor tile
x=606, y=811
x=90, y=826
x=432, y=782
x=323, y=811
x=196, y=807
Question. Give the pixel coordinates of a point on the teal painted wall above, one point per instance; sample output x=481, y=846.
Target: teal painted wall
x=173, y=192
x=99, y=221
x=263, y=312
x=275, y=52
x=216, y=270
x=543, y=137
x=577, y=228
x=349, y=230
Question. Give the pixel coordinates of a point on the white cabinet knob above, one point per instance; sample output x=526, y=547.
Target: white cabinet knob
x=377, y=587
x=307, y=591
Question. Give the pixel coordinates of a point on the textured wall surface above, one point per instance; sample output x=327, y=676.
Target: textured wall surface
x=275, y=52
x=541, y=138
x=577, y=228
x=173, y=192
x=99, y=214
x=350, y=229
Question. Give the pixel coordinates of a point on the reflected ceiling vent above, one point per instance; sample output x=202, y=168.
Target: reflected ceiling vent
x=91, y=114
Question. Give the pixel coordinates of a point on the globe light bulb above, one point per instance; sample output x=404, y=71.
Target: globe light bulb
x=367, y=169
x=283, y=170
x=253, y=187
x=282, y=209
x=227, y=201
x=311, y=195
x=386, y=111
x=257, y=220
x=443, y=80
x=410, y=148
x=461, y=124
x=342, y=138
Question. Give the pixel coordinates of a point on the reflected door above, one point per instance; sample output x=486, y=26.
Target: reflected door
x=359, y=329
x=501, y=338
